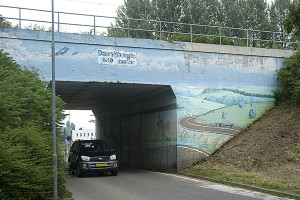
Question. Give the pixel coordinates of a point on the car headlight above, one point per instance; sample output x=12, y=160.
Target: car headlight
x=113, y=157
x=85, y=158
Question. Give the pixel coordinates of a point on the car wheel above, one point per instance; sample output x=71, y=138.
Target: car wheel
x=114, y=173
x=79, y=173
x=71, y=171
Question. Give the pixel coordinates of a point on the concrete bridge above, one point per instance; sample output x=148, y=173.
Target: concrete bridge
x=161, y=105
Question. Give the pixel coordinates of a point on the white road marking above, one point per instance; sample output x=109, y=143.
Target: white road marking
x=225, y=188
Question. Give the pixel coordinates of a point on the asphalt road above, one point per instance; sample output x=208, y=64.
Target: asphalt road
x=144, y=185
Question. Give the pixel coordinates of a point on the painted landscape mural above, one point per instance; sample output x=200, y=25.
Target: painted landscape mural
x=209, y=117
x=217, y=94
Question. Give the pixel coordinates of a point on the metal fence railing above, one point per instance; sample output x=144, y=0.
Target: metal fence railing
x=150, y=29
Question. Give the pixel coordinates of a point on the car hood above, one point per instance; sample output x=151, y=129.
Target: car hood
x=95, y=154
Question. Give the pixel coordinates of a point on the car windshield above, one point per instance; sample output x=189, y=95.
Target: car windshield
x=93, y=147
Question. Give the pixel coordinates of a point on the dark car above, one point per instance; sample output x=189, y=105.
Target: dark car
x=92, y=156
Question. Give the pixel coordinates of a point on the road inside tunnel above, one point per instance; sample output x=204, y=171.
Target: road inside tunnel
x=138, y=120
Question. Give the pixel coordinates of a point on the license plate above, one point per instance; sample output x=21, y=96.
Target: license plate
x=101, y=165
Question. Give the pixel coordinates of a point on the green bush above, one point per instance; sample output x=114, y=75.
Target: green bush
x=289, y=80
x=26, y=164
x=24, y=98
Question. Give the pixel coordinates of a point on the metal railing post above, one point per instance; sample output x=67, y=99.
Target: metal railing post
x=55, y=186
x=220, y=35
x=20, y=18
x=128, y=35
x=273, y=40
x=284, y=40
x=160, y=30
x=247, y=37
x=58, y=22
x=191, y=30
x=94, y=25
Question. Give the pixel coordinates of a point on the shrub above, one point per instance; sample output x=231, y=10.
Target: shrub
x=26, y=164
x=289, y=80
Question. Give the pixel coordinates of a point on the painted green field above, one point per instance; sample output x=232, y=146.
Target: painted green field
x=235, y=114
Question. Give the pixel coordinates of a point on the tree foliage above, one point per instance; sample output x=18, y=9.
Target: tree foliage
x=289, y=75
x=246, y=14
x=292, y=22
x=24, y=97
x=289, y=80
x=4, y=23
x=25, y=134
x=26, y=165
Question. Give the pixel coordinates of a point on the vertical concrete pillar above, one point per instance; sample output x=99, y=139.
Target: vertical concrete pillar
x=97, y=125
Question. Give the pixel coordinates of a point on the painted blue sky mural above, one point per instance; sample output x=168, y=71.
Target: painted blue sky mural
x=217, y=95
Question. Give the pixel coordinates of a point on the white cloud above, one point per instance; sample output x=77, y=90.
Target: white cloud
x=146, y=63
x=245, y=64
x=21, y=54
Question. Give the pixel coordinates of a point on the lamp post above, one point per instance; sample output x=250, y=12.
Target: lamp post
x=53, y=108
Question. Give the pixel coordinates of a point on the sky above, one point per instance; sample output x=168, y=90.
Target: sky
x=80, y=118
x=92, y=7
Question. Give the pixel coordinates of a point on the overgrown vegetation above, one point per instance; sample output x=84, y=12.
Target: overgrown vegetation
x=289, y=75
x=289, y=80
x=25, y=134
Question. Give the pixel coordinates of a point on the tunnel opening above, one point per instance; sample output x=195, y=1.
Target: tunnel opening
x=138, y=120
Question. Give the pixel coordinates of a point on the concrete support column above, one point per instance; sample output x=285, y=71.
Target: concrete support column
x=97, y=124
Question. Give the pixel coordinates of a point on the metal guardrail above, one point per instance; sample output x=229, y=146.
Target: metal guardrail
x=249, y=36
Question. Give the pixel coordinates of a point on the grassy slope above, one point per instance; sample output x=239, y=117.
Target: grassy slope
x=266, y=154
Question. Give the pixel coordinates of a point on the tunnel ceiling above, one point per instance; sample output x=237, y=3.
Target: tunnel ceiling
x=89, y=95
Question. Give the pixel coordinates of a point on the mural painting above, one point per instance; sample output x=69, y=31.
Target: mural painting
x=226, y=101
x=217, y=95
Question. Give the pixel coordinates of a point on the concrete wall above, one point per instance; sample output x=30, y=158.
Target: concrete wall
x=143, y=133
x=219, y=90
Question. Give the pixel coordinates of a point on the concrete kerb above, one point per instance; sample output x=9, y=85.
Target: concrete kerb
x=249, y=187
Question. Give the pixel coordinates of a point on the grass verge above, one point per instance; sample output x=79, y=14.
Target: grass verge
x=253, y=179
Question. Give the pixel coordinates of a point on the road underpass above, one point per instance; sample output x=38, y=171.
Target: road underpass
x=137, y=120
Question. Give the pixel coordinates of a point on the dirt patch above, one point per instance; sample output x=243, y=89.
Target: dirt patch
x=270, y=146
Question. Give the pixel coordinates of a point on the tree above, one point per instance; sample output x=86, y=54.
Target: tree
x=289, y=80
x=232, y=13
x=170, y=11
x=289, y=75
x=292, y=22
x=256, y=18
x=205, y=12
x=25, y=134
x=254, y=15
x=4, y=23
x=277, y=13
x=24, y=98
x=135, y=9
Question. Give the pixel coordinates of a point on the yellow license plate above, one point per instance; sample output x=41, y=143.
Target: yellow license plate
x=101, y=165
